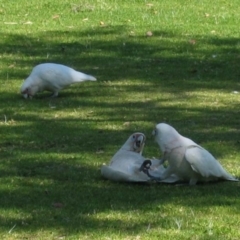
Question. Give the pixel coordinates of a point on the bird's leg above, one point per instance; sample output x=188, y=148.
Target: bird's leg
x=193, y=181
x=164, y=158
x=145, y=168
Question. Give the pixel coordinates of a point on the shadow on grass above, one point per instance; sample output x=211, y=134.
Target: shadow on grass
x=164, y=58
x=73, y=199
x=32, y=131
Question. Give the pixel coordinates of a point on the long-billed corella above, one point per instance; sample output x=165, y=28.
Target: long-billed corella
x=186, y=159
x=126, y=162
x=51, y=77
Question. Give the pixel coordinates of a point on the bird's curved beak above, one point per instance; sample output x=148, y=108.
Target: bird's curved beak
x=139, y=143
x=27, y=93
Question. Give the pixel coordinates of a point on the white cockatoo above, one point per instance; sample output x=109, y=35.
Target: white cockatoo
x=125, y=164
x=186, y=159
x=51, y=77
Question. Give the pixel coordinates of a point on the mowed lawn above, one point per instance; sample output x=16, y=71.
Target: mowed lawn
x=170, y=61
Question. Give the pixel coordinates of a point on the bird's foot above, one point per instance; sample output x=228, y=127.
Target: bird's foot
x=145, y=168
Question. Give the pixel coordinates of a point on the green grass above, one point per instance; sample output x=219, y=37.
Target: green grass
x=51, y=150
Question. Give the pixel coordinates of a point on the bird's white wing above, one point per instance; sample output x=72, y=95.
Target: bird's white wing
x=203, y=162
x=125, y=160
x=124, y=167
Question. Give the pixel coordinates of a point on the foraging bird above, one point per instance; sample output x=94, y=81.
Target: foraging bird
x=125, y=164
x=52, y=77
x=189, y=161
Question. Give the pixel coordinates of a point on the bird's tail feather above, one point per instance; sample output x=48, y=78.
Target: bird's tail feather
x=229, y=177
x=84, y=77
x=89, y=77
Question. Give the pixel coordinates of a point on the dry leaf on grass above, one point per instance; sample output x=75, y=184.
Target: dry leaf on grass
x=28, y=23
x=55, y=16
x=192, y=41
x=10, y=23
x=126, y=124
x=132, y=33
x=149, y=34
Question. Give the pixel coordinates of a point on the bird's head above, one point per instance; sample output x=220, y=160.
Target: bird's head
x=26, y=93
x=164, y=135
x=135, y=143
x=28, y=90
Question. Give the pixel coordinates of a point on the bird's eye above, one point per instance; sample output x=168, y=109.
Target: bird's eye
x=154, y=132
x=134, y=137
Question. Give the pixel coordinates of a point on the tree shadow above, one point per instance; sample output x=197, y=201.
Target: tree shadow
x=139, y=57
x=31, y=185
x=72, y=197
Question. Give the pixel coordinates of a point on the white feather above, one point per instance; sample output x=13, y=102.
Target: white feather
x=52, y=77
x=188, y=160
